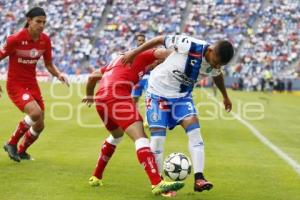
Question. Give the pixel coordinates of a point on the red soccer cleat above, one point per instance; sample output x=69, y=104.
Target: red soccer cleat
x=201, y=185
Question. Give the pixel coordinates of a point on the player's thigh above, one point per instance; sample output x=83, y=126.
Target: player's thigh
x=183, y=109
x=19, y=95
x=124, y=113
x=117, y=133
x=34, y=110
x=136, y=131
x=102, y=111
x=157, y=112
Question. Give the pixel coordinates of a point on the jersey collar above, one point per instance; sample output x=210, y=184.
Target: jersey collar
x=28, y=36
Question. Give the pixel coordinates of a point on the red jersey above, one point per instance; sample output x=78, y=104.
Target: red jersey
x=118, y=80
x=24, y=54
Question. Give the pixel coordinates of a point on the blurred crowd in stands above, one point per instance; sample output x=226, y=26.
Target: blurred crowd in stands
x=87, y=34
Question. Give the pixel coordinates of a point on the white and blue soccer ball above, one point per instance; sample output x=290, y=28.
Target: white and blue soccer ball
x=177, y=166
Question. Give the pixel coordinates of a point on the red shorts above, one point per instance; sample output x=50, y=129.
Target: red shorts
x=118, y=113
x=21, y=95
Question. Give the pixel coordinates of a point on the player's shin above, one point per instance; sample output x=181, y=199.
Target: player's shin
x=147, y=159
x=196, y=148
x=107, y=150
x=22, y=127
x=157, y=147
x=29, y=138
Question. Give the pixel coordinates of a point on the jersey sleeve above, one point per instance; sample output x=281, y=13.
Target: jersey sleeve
x=179, y=43
x=148, y=57
x=8, y=47
x=48, y=53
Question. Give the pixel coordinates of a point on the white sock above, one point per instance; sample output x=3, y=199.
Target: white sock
x=196, y=148
x=34, y=133
x=113, y=141
x=157, y=148
x=141, y=143
x=28, y=120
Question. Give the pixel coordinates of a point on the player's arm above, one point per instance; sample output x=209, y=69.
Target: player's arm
x=162, y=53
x=129, y=56
x=219, y=81
x=51, y=66
x=93, y=78
x=55, y=72
x=8, y=47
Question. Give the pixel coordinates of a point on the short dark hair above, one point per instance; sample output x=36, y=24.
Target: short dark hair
x=140, y=35
x=224, y=51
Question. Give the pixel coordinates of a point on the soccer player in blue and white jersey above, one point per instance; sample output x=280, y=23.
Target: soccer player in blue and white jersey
x=169, y=94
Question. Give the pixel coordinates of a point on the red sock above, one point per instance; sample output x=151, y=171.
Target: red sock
x=19, y=132
x=107, y=151
x=28, y=140
x=147, y=159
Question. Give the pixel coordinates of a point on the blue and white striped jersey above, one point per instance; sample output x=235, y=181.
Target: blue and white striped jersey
x=176, y=76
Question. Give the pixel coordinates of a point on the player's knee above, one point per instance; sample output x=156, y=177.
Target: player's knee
x=36, y=115
x=114, y=140
x=40, y=128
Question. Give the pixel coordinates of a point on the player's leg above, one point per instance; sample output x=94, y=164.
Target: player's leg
x=109, y=145
x=36, y=114
x=136, y=133
x=128, y=118
x=21, y=97
x=107, y=150
x=157, y=142
x=196, y=148
x=157, y=117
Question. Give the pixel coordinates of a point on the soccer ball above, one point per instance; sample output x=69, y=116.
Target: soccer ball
x=177, y=166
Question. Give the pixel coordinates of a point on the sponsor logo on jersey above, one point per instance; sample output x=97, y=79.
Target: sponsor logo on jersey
x=34, y=53
x=27, y=62
x=182, y=78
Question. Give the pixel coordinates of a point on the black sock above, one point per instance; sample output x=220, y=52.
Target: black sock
x=199, y=175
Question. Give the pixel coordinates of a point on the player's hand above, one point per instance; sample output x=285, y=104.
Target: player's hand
x=128, y=57
x=88, y=100
x=63, y=78
x=227, y=104
x=0, y=91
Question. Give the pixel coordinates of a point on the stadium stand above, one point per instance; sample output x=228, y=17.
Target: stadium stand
x=268, y=36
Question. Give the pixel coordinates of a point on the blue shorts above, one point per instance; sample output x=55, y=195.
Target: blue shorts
x=166, y=112
x=138, y=89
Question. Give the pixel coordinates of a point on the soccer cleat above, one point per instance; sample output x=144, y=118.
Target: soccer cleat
x=201, y=185
x=25, y=156
x=12, y=152
x=94, y=181
x=169, y=194
x=165, y=186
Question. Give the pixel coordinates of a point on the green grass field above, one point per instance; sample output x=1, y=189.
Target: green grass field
x=239, y=165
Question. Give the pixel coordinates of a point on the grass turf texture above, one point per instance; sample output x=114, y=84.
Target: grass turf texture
x=238, y=164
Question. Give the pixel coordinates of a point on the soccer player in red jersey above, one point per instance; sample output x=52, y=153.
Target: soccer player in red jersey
x=24, y=49
x=119, y=114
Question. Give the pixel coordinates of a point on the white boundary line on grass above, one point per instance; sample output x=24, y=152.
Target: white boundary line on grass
x=290, y=161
